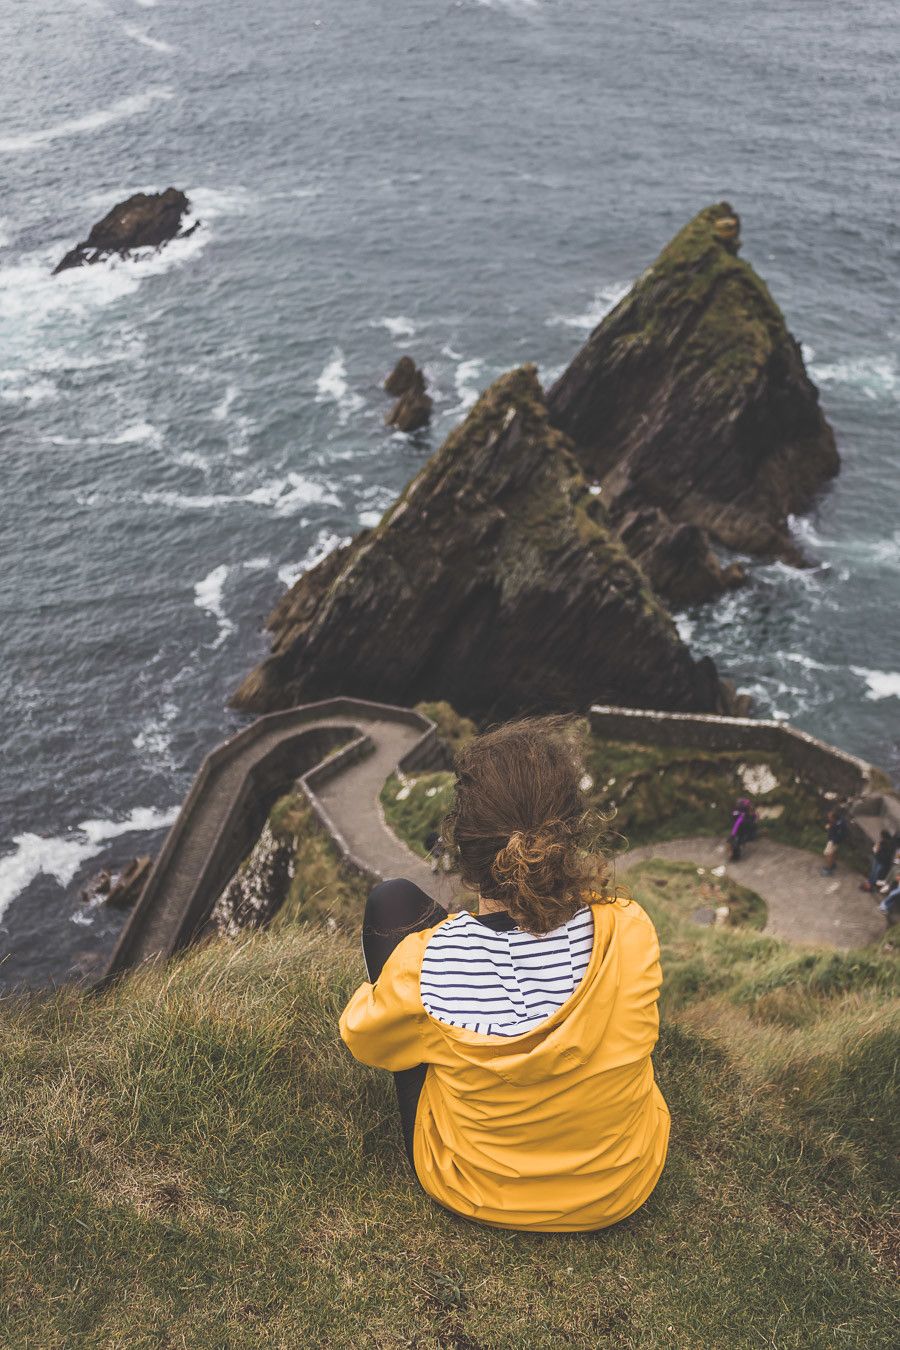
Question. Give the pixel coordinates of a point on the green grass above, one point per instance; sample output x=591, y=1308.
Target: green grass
x=193, y=1160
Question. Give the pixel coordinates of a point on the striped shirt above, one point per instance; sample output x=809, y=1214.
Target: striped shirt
x=502, y=983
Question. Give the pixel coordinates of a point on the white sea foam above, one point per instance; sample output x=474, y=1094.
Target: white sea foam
x=605, y=299
x=208, y=596
x=60, y=857
x=877, y=377
x=398, y=326
x=284, y=495
x=685, y=627
x=14, y=390
x=521, y=8
x=223, y=407
x=119, y=111
x=467, y=381
x=154, y=740
x=332, y=387
x=155, y=44
x=138, y=434
x=882, y=683
x=326, y=541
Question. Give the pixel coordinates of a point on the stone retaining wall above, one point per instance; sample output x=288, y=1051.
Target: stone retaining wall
x=830, y=769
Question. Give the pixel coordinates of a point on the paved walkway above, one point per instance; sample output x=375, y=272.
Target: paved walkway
x=803, y=905
x=352, y=800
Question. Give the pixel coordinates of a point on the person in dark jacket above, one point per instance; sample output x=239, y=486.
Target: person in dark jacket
x=838, y=829
x=882, y=857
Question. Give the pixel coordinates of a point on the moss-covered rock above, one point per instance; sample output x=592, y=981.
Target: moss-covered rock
x=692, y=397
x=494, y=582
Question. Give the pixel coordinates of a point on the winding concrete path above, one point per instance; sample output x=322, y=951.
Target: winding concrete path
x=803, y=905
x=352, y=800
x=340, y=752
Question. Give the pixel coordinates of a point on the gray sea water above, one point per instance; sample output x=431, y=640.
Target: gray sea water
x=473, y=181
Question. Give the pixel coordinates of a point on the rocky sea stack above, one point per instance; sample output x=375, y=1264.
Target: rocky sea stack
x=413, y=407
x=495, y=581
x=691, y=398
x=145, y=220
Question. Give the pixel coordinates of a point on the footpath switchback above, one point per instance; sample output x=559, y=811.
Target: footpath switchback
x=803, y=905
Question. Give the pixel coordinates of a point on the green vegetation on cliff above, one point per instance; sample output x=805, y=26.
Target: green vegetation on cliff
x=193, y=1160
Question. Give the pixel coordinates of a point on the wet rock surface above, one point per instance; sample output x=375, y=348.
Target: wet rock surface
x=120, y=889
x=144, y=220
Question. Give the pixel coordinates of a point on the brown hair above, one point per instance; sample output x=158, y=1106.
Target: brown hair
x=520, y=824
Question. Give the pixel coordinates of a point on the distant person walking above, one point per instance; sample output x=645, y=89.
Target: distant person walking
x=838, y=829
x=744, y=824
x=890, y=904
x=882, y=857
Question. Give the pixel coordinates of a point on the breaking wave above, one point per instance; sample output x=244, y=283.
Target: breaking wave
x=61, y=856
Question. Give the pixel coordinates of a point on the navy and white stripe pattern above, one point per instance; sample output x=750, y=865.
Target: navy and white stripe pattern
x=506, y=983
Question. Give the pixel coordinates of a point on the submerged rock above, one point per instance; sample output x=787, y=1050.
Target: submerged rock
x=495, y=582
x=121, y=889
x=413, y=408
x=691, y=396
x=145, y=220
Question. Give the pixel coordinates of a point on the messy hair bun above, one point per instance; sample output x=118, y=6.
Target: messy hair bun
x=520, y=825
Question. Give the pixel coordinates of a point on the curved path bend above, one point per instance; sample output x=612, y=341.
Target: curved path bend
x=339, y=752
x=803, y=905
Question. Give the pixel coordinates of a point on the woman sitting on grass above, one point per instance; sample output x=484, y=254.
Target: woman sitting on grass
x=520, y=1036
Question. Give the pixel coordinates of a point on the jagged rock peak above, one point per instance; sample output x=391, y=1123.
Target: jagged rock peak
x=691, y=396
x=144, y=220
x=494, y=582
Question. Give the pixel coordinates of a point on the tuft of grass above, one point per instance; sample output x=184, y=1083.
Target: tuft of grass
x=322, y=888
x=413, y=807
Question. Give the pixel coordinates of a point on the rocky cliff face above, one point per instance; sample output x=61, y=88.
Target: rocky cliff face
x=495, y=581
x=691, y=397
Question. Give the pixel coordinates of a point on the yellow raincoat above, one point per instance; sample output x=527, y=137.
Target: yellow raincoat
x=558, y=1129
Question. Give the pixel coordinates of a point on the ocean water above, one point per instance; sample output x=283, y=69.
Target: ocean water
x=472, y=181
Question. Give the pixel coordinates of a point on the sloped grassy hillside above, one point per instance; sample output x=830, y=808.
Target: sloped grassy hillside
x=193, y=1160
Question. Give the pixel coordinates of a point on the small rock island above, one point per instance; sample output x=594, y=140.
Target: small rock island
x=144, y=220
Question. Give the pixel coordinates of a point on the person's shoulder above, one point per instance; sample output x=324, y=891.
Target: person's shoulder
x=624, y=915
